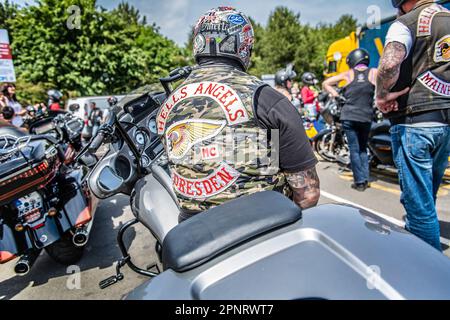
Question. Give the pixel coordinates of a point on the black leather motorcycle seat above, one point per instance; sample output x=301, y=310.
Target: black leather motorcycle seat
x=380, y=128
x=213, y=232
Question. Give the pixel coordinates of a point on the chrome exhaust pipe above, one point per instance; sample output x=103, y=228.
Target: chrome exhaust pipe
x=23, y=266
x=80, y=237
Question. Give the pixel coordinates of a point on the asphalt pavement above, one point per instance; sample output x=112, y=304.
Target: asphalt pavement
x=49, y=280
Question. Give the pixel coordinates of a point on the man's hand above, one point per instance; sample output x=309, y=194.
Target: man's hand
x=305, y=186
x=389, y=102
x=388, y=75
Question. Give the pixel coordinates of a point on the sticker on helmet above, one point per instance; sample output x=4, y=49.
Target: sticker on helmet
x=243, y=52
x=214, y=27
x=199, y=43
x=442, y=49
x=234, y=29
x=236, y=19
x=228, y=45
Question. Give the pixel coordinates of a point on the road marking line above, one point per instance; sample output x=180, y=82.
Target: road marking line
x=377, y=186
x=374, y=185
x=395, y=221
x=387, y=189
x=346, y=178
x=347, y=174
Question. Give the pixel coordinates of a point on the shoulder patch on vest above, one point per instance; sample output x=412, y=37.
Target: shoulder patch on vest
x=426, y=19
x=442, y=50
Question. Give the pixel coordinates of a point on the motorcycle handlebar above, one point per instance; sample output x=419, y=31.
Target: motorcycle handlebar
x=341, y=99
x=96, y=142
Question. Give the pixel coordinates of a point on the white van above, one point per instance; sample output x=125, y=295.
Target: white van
x=85, y=102
x=269, y=79
x=80, y=107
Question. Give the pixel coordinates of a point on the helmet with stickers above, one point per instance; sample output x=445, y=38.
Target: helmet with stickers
x=224, y=32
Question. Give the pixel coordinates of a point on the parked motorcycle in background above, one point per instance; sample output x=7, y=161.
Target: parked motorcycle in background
x=45, y=202
x=331, y=143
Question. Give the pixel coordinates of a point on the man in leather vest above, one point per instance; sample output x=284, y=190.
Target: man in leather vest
x=218, y=125
x=413, y=90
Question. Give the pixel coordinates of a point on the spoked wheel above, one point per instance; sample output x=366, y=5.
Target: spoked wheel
x=323, y=147
x=343, y=154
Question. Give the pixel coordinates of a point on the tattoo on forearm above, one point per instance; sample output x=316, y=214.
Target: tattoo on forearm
x=389, y=68
x=305, y=186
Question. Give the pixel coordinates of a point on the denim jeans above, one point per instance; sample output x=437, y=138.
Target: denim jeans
x=358, y=136
x=421, y=156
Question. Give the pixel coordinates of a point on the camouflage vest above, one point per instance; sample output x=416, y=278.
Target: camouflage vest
x=216, y=149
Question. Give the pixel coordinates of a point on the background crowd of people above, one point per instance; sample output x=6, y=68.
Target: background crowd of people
x=12, y=112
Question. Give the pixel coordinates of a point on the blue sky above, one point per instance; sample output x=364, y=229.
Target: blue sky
x=174, y=17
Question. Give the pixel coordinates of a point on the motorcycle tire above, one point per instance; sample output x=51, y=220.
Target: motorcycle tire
x=64, y=251
x=319, y=147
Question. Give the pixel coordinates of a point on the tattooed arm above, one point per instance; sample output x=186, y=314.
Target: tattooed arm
x=305, y=186
x=388, y=75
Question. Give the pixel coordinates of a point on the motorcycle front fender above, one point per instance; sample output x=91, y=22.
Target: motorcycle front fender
x=155, y=205
x=79, y=204
x=45, y=235
x=321, y=134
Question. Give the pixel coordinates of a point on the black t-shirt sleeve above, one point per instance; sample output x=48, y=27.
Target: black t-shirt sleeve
x=275, y=111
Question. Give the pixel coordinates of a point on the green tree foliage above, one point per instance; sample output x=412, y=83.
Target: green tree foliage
x=111, y=51
x=8, y=10
x=116, y=51
x=285, y=39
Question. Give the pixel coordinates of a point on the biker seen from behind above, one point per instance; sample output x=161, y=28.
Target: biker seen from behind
x=217, y=124
x=357, y=112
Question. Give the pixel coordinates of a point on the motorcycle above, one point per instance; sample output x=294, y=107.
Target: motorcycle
x=45, y=202
x=380, y=145
x=330, y=143
x=261, y=246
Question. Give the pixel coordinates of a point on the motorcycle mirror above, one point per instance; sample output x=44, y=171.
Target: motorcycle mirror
x=74, y=107
x=108, y=180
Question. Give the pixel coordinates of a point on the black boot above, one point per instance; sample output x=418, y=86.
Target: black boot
x=361, y=187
